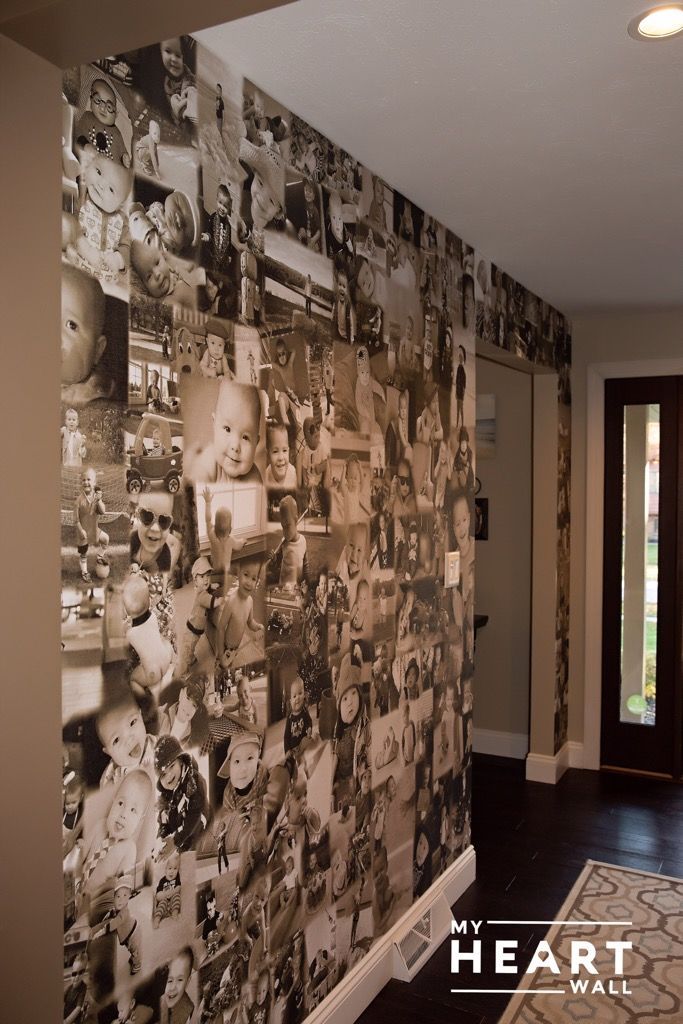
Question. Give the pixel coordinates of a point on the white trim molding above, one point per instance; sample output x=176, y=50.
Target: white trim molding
x=550, y=769
x=546, y=767
x=575, y=754
x=501, y=744
x=358, y=988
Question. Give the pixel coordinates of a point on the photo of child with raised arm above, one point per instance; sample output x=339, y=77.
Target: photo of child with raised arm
x=284, y=381
x=221, y=539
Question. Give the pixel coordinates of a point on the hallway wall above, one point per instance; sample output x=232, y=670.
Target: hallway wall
x=30, y=753
x=503, y=589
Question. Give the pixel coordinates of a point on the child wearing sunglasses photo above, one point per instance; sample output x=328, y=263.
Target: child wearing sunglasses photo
x=402, y=494
x=152, y=545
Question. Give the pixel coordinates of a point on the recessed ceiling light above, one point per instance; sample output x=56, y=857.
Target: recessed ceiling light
x=658, y=23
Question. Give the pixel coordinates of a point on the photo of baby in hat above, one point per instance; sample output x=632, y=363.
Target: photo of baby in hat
x=252, y=799
x=214, y=362
x=267, y=188
x=182, y=805
x=351, y=733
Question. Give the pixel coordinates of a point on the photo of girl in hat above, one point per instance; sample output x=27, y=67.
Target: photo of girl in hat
x=351, y=732
x=265, y=183
x=182, y=808
x=252, y=799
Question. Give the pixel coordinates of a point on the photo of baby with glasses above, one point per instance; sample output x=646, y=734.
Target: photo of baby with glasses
x=153, y=547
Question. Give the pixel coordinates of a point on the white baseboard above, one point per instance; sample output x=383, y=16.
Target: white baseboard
x=575, y=754
x=547, y=768
x=501, y=744
x=544, y=768
x=358, y=988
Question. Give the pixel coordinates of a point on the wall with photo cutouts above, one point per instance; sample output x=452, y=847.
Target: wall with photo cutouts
x=267, y=452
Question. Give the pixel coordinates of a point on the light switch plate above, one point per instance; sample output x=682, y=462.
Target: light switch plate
x=452, y=568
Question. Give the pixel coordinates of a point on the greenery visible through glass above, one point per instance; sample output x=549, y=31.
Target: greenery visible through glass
x=639, y=565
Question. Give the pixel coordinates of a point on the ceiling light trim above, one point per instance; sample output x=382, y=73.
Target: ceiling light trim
x=634, y=29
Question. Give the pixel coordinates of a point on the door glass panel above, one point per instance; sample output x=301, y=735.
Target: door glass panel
x=639, y=565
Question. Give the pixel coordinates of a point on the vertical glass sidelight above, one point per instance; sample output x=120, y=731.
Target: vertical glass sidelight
x=639, y=564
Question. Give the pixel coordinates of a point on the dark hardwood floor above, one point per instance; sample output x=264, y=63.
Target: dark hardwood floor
x=532, y=841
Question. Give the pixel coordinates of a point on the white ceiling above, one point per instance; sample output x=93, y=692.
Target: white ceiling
x=536, y=129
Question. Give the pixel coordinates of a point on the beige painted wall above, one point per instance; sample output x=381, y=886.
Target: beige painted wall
x=30, y=753
x=603, y=338
x=503, y=586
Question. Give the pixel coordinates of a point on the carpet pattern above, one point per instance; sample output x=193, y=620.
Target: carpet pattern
x=653, y=968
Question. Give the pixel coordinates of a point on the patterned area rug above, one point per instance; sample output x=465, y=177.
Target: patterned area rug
x=653, y=968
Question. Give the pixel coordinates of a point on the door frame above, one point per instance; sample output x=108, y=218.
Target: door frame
x=597, y=373
x=541, y=764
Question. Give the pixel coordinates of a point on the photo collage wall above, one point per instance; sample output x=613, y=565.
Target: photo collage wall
x=268, y=410
x=512, y=318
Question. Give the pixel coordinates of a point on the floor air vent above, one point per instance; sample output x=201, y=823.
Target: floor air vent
x=421, y=939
